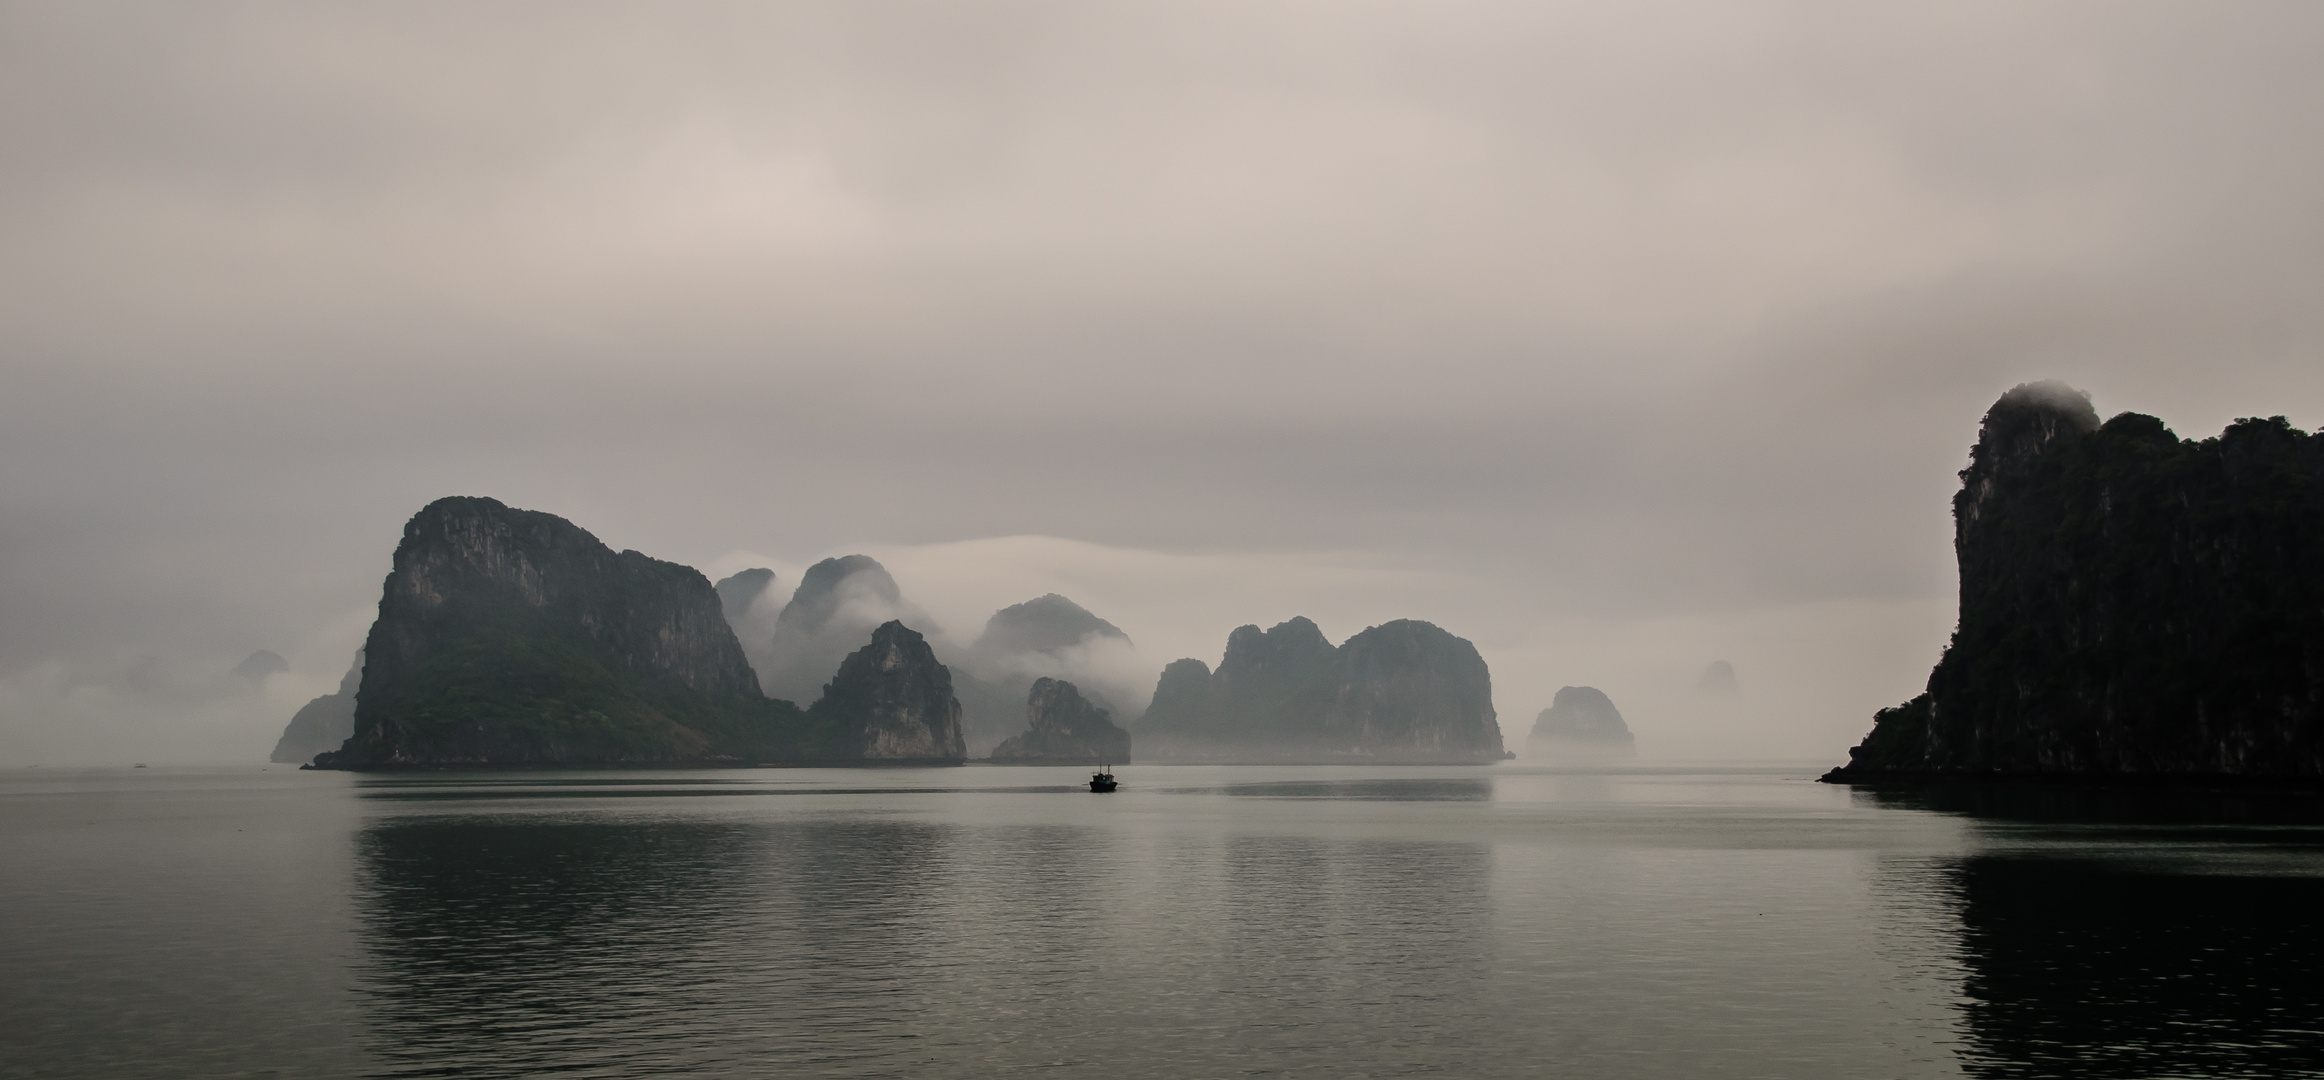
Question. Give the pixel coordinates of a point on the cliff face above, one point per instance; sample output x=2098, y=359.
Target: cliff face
x=2131, y=604
x=1581, y=721
x=509, y=637
x=1404, y=691
x=1409, y=689
x=322, y=724
x=1064, y=729
x=739, y=592
x=1181, y=701
x=892, y=703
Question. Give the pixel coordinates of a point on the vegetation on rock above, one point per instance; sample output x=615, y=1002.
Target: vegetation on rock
x=2132, y=603
x=891, y=703
x=511, y=637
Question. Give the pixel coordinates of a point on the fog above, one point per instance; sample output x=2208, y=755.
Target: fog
x=1616, y=338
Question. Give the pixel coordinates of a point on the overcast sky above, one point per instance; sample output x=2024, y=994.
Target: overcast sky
x=1618, y=338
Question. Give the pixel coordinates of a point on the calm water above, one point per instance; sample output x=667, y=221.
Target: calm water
x=1203, y=922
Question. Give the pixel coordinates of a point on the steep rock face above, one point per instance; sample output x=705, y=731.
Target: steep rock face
x=1181, y=698
x=1402, y=691
x=1064, y=729
x=511, y=637
x=322, y=724
x=1581, y=721
x=739, y=592
x=1267, y=678
x=892, y=703
x=2131, y=604
x=1409, y=689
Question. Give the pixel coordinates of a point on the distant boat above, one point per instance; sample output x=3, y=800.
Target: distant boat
x=1103, y=779
x=140, y=765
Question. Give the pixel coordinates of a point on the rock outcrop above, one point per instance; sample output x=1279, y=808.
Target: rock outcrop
x=891, y=704
x=1404, y=691
x=1063, y=728
x=739, y=592
x=511, y=637
x=2132, y=604
x=1581, y=722
x=322, y=724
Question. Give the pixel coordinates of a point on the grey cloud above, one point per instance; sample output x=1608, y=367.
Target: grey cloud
x=1646, y=313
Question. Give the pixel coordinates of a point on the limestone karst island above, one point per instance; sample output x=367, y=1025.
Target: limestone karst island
x=2134, y=605
x=514, y=638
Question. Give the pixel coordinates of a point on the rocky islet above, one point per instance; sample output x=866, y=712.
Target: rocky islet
x=1581, y=721
x=510, y=637
x=1064, y=728
x=2132, y=605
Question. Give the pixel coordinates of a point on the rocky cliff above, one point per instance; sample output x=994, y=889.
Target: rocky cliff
x=738, y=593
x=1581, y=722
x=1404, y=691
x=2132, y=604
x=511, y=637
x=891, y=703
x=322, y=724
x=1063, y=728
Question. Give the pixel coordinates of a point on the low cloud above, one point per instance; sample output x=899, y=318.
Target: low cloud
x=1557, y=325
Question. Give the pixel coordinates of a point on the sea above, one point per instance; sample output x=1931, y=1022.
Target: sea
x=1664, y=921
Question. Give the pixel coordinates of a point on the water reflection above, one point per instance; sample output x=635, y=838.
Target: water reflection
x=2120, y=932
x=1418, y=789
x=503, y=945
x=2041, y=805
x=870, y=944
x=2094, y=969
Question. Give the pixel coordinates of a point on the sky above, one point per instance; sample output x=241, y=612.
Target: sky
x=1617, y=338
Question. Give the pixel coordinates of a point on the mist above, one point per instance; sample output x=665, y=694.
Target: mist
x=1615, y=338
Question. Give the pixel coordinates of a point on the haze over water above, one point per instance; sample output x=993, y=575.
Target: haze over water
x=1202, y=922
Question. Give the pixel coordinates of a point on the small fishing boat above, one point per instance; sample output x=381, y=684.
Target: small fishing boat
x=1102, y=779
